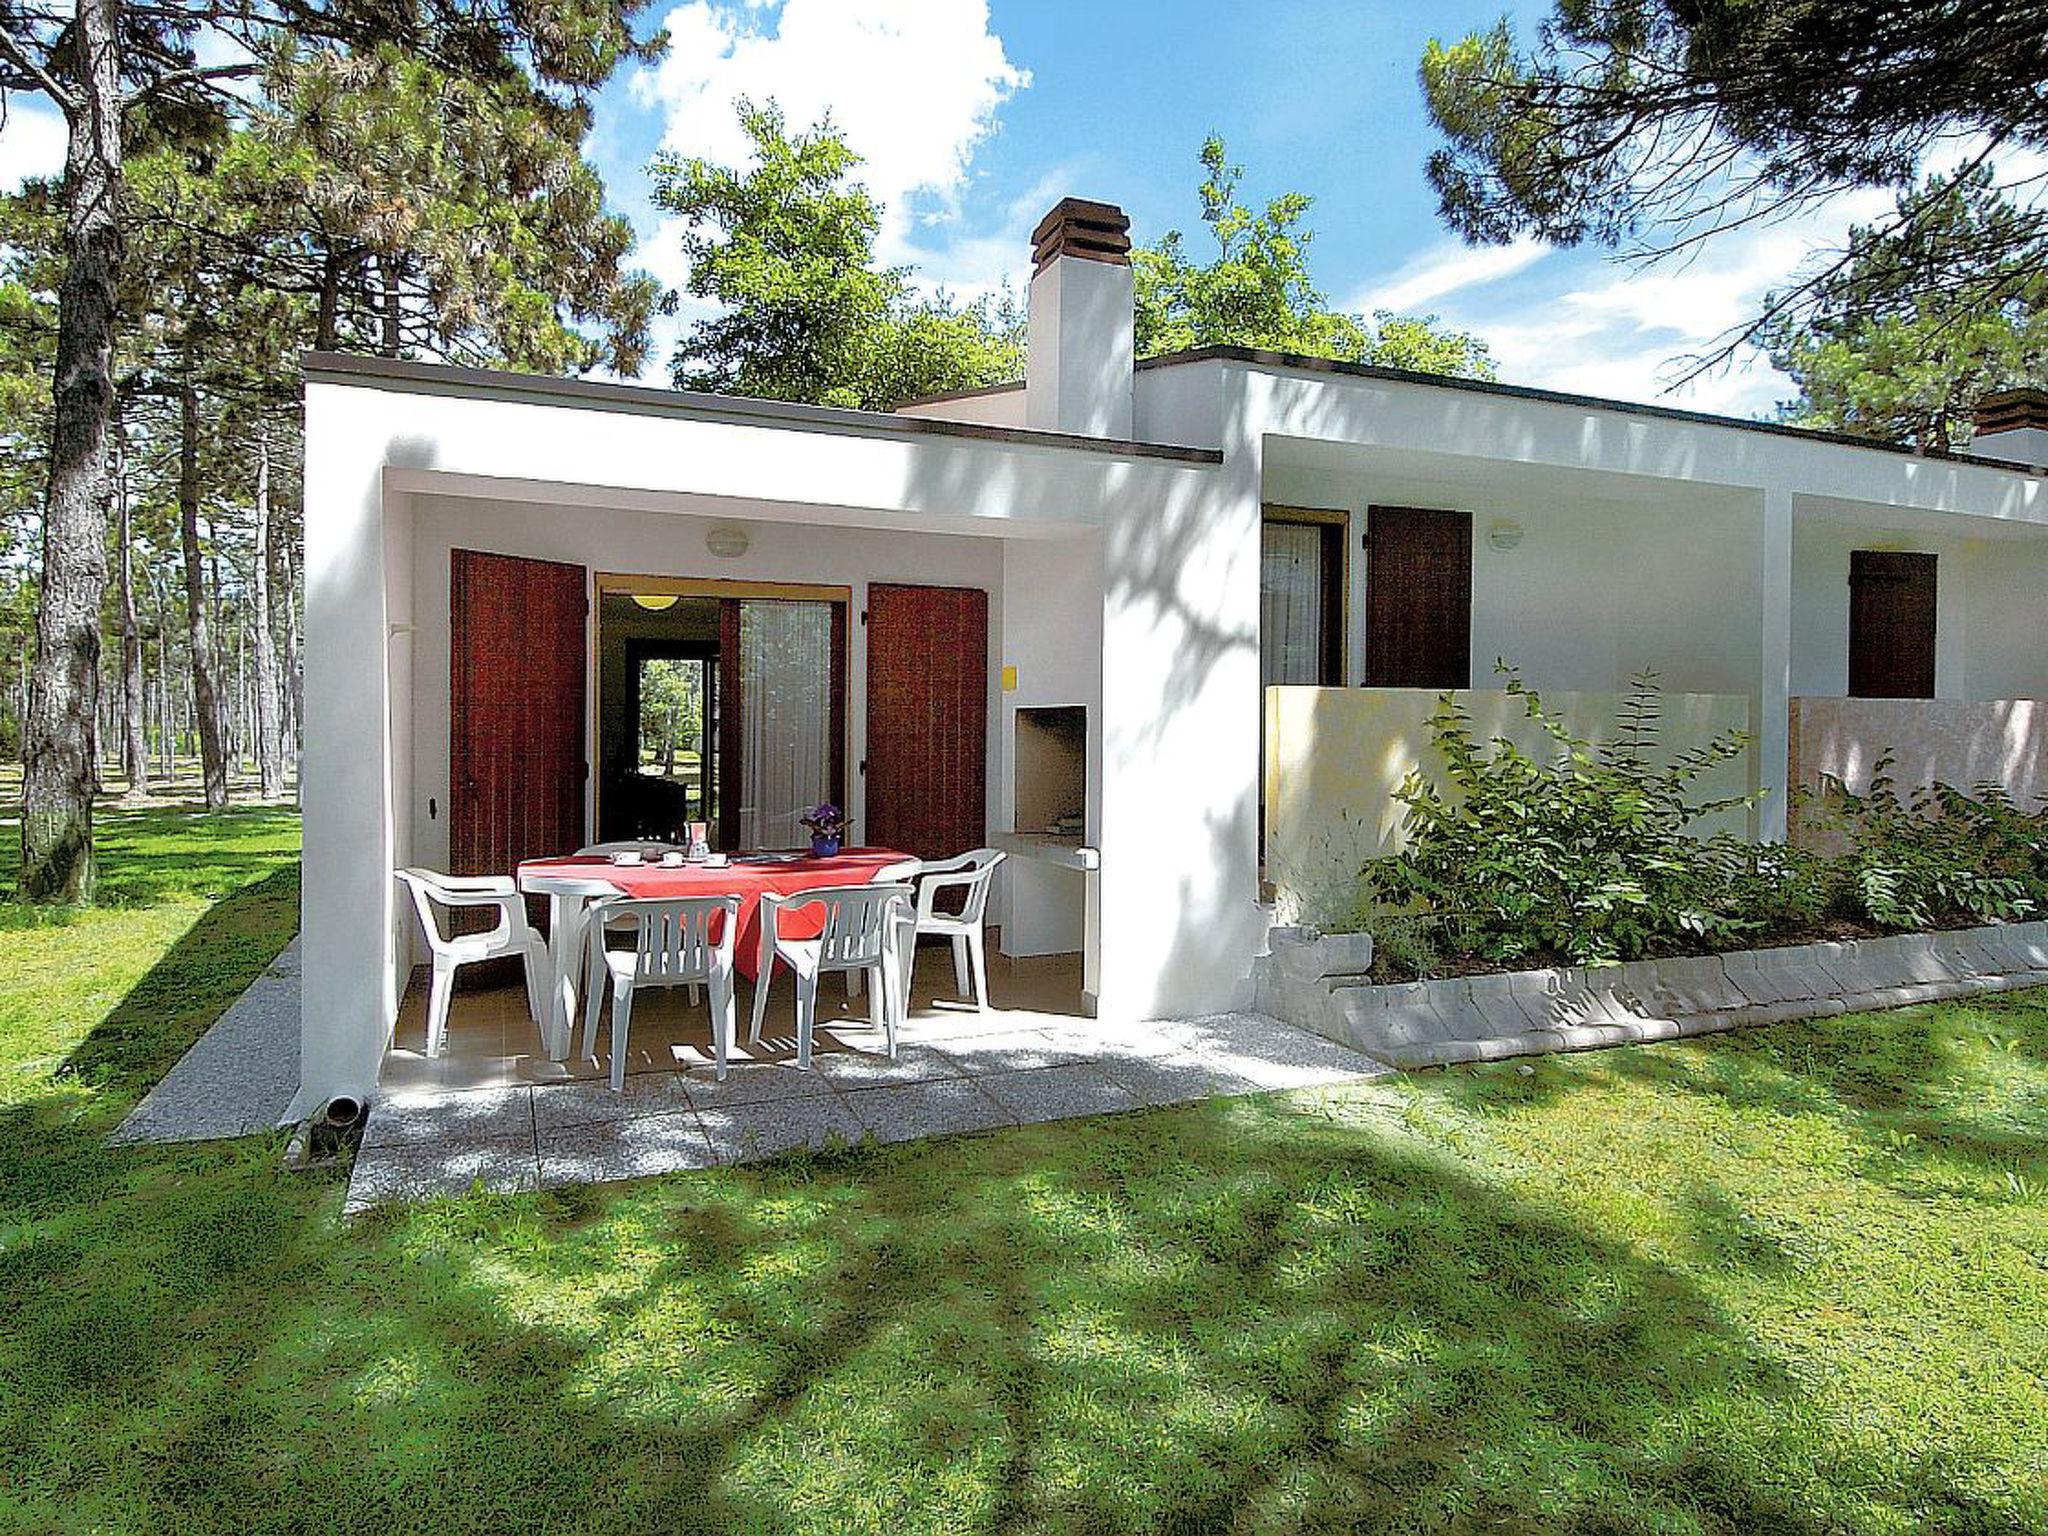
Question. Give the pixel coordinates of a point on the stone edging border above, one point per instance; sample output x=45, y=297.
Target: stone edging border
x=1319, y=983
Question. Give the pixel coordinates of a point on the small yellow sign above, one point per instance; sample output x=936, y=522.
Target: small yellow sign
x=1009, y=679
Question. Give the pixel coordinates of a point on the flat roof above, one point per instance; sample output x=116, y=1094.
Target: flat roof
x=1260, y=358
x=647, y=400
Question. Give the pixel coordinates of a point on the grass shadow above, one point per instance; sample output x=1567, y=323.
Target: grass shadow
x=187, y=989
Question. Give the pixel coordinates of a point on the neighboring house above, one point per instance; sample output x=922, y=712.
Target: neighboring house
x=1054, y=605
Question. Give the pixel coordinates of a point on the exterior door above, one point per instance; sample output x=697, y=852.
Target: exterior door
x=516, y=762
x=1418, y=599
x=927, y=719
x=1301, y=599
x=1891, y=624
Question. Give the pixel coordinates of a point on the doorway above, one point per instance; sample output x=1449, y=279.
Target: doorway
x=719, y=702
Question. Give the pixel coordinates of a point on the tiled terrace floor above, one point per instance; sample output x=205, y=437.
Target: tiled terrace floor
x=492, y=1109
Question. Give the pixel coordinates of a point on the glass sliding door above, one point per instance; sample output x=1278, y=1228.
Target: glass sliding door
x=789, y=716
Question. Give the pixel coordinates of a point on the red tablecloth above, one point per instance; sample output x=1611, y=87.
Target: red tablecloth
x=749, y=882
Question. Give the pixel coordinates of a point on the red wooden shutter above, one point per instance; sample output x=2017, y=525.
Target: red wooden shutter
x=517, y=711
x=1892, y=599
x=927, y=732
x=1418, y=599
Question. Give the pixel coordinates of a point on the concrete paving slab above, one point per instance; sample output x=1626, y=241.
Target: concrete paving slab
x=624, y=1149
x=752, y=1082
x=867, y=1069
x=423, y=1170
x=1058, y=1093
x=942, y=1107
x=442, y=1117
x=741, y=1133
x=1173, y=1077
x=1015, y=1050
x=591, y=1101
x=239, y=1077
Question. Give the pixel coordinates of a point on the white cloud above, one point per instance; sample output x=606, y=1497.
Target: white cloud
x=31, y=144
x=1603, y=326
x=1446, y=268
x=914, y=85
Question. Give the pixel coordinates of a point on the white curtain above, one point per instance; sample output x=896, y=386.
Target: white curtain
x=1291, y=604
x=785, y=718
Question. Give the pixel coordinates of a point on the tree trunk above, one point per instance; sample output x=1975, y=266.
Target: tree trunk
x=57, y=765
x=329, y=302
x=213, y=766
x=284, y=591
x=166, y=727
x=134, y=726
x=269, y=697
x=394, y=336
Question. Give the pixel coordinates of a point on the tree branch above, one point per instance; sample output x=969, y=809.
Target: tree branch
x=200, y=76
x=45, y=81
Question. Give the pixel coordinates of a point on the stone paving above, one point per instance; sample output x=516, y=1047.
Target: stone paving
x=955, y=1074
x=239, y=1077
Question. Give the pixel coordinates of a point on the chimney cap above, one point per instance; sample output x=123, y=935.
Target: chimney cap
x=2008, y=410
x=1077, y=226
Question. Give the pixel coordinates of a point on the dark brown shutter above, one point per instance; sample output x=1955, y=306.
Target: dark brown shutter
x=1418, y=599
x=1892, y=600
x=927, y=737
x=516, y=729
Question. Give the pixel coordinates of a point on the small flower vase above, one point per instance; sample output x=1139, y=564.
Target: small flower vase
x=824, y=845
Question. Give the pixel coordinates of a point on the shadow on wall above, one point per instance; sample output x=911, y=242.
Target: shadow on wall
x=1336, y=757
x=1948, y=741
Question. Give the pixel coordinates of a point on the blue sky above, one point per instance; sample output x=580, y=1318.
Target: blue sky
x=976, y=115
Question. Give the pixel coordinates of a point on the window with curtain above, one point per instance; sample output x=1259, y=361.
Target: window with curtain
x=1293, y=624
x=785, y=675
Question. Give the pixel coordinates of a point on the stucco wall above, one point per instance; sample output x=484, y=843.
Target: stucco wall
x=1990, y=640
x=1591, y=593
x=1932, y=741
x=648, y=543
x=1052, y=635
x=1336, y=756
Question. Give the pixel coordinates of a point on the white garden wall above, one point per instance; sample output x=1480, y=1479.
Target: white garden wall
x=1336, y=756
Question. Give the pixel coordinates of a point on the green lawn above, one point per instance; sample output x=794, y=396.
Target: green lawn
x=1791, y=1281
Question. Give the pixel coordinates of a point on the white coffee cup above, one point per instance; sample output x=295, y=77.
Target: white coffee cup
x=673, y=859
x=627, y=856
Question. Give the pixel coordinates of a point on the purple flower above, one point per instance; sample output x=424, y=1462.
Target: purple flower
x=827, y=820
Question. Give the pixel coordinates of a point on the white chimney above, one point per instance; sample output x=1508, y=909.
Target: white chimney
x=1077, y=376
x=2012, y=424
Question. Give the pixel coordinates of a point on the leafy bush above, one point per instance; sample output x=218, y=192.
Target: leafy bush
x=1936, y=854
x=1584, y=853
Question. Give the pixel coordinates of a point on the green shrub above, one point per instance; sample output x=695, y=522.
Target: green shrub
x=1936, y=855
x=1583, y=854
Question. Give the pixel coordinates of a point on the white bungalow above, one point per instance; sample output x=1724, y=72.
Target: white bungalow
x=1041, y=616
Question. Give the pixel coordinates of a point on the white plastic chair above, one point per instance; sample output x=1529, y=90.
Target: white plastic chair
x=512, y=936
x=672, y=947
x=902, y=872
x=971, y=873
x=620, y=923
x=865, y=930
